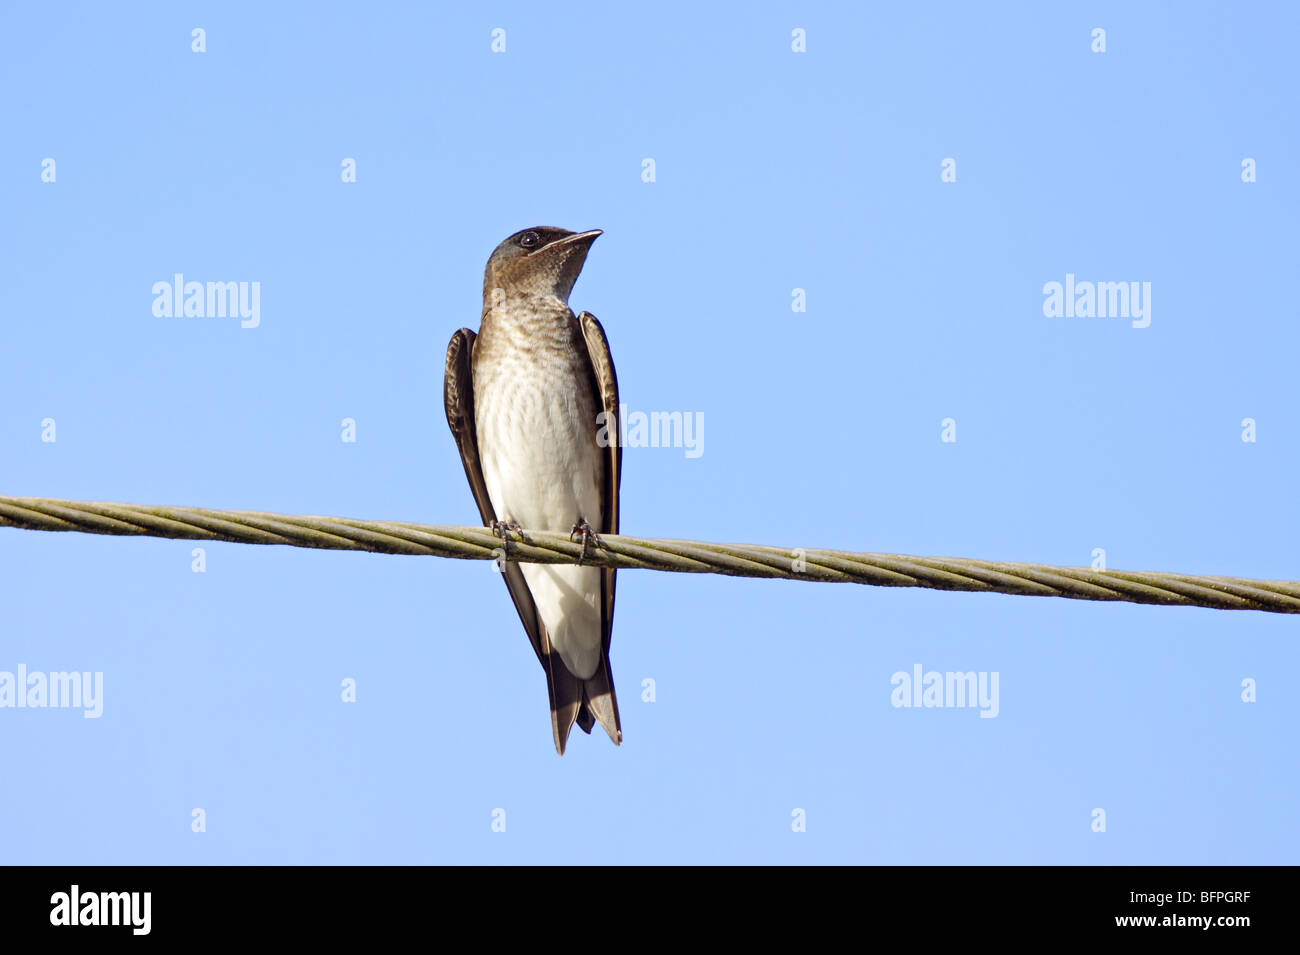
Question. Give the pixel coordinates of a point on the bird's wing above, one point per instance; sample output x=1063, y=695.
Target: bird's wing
x=458, y=396
x=565, y=690
x=599, y=702
x=602, y=366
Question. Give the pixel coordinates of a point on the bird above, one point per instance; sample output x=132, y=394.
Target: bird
x=532, y=403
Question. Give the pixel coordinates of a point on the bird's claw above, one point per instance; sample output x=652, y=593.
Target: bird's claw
x=503, y=530
x=584, y=532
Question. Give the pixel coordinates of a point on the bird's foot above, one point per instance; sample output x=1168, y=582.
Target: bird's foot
x=584, y=532
x=503, y=529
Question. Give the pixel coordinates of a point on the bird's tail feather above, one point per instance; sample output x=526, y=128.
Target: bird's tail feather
x=585, y=702
x=599, y=704
x=566, y=692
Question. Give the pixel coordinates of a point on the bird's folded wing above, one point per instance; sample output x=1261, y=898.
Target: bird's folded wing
x=458, y=396
x=602, y=366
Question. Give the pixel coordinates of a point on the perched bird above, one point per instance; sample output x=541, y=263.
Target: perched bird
x=522, y=398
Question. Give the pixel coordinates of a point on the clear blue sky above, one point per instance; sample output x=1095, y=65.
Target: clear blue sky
x=774, y=171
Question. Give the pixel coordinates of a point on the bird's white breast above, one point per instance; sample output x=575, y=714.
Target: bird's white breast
x=535, y=416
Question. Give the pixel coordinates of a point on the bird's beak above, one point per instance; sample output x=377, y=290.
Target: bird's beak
x=581, y=238
x=569, y=254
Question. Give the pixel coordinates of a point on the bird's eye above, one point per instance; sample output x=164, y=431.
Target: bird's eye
x=529, y=240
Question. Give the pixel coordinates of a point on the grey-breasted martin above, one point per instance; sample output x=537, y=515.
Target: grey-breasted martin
x=522, y=400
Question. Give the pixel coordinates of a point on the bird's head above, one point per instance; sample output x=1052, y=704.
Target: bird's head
x=541, y=262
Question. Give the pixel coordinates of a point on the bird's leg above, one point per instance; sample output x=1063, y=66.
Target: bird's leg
x=583, y=531
x=502, y=529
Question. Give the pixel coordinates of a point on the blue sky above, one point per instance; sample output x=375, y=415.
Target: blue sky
x=774, y=171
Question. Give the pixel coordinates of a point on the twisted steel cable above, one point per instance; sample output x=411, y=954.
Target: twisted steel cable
x=621, y=551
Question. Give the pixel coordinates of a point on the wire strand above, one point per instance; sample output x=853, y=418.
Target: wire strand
x=634, y=553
